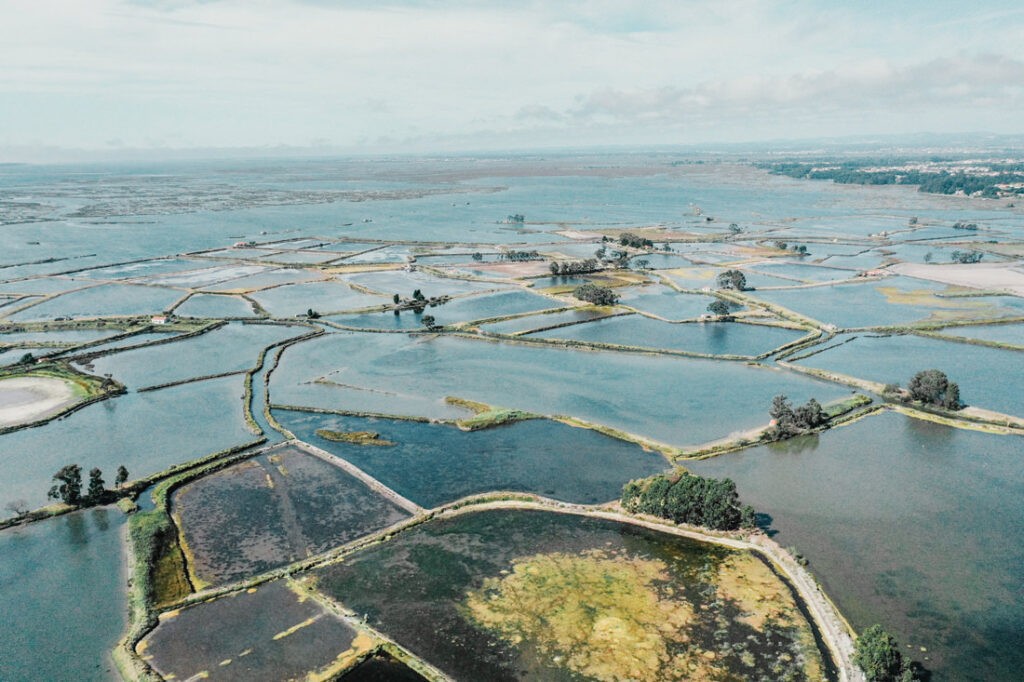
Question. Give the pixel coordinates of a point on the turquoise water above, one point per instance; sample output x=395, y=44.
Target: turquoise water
x=1012, y=334
x=537, y=321
x=988, y=377
x=323, y=297
x=678, y=400
x=891, y=301
x=233, y=347
x=62, y=593
x=457, y=310
x=404, y=283
x=106, y=299
x=665, y=302
x=709, y=338
x=147, y=432
x=435, y=463
x=906, y=523
x=213, y=306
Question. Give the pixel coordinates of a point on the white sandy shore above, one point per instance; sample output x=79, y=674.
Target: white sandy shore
x=989, y=276
x=27, y=399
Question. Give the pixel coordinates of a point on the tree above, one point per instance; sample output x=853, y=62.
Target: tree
x=428, y=321
x=878, y=655
x=26, y=359
x=717, y=307
x=122, y=476
x=312, y=314
x=68, y=488
x=642, y=263
x=734, y=228
x=933, y=387
x=397, y=299
x=732, y=279
x=97, y=487
x=686, y=498
x=417, y=295
x=598, y=295
x=477, y=256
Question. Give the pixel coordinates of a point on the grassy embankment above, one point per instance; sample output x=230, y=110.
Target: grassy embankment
x=486, y=416
x=354, y=437
x=157, y=569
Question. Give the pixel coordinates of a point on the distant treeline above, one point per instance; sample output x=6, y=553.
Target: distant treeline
x=934, y=182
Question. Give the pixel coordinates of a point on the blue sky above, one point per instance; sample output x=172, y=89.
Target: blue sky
x=430, y=75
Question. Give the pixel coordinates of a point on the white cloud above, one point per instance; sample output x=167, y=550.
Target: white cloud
x=268, y=72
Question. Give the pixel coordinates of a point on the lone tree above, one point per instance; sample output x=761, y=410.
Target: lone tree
x=429, y=322
x=732, y=279
x=933, y=387
x=878, y=655
x=598, y=295
x=397, y=299
x=720, y=308
x=122, y=476
x=68, y=488
x=790, y=422
x=97, y=487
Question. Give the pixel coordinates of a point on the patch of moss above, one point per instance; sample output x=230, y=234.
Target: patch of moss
x=595, y=614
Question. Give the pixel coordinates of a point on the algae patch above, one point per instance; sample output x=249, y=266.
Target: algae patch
x=597, y=614
x=353, y=437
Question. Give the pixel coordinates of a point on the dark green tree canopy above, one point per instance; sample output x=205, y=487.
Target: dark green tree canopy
x=68, y=486
x=878, y=655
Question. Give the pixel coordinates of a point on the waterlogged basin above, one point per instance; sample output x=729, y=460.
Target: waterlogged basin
x=434, y=463
x=906, y=523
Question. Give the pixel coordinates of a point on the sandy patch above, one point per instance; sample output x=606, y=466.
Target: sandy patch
x=27, y=399
x=579, y=234
x=1001, y=276
x=527, y=269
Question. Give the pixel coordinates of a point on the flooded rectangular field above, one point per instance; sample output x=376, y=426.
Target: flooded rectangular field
x=520, y=595
x=676, y=400
x=76, y=562
x=988, y=377
x=938, y=550
x=265, y=633
x=434, y=463
x=274, y=509
x=709, y=338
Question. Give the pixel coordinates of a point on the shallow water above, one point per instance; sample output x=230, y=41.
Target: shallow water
x=906, y=523
x=432, y=463
x=988, y=377
x=711, y=338
x=677, y=400
x=147, y=432
x=62, y=593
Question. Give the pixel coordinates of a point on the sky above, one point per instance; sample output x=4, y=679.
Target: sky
x=432, y=75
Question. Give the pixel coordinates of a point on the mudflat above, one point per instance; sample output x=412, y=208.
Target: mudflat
x=26, y=399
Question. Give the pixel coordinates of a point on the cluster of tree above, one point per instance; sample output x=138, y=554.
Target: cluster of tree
x=636, y=241
x=515, y=218
x=966, y=256
x=477, y=256
x=732, y=279
x=932, y=182
x=686, y=498
x=960, y=225
x=878, y=655
x=735, y=229
x=578, y=267
x=932, y=387
x=429, y=322
x=596, y=294
x=719, y=308
x=519, y=256
x=67, y=485
x=790, y=421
